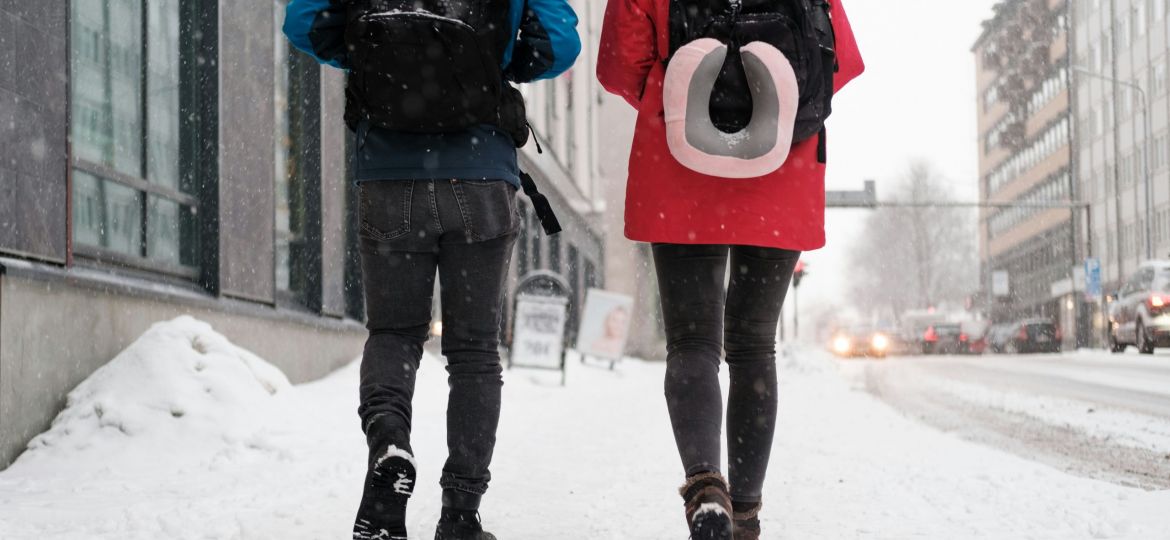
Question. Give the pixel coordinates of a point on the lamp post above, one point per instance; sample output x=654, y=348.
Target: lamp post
x=1145, y=147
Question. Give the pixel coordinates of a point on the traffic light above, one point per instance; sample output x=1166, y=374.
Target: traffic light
x=798, y=273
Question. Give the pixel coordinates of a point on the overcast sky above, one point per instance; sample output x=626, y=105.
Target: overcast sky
x=915, y=101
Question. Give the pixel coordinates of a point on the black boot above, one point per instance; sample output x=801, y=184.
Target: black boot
x=390, y=477
x=457, y=524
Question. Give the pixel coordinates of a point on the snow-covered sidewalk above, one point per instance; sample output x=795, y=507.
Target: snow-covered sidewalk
x=186, y=436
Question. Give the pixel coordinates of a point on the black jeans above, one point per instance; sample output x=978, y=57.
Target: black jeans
x=702, y=320
x=465, y=230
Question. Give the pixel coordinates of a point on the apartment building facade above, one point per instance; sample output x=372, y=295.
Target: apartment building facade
x=1028, y=242
x=1121, y=55
x=168, y=157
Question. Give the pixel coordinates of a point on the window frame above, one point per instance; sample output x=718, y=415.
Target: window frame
x=304, y=131
x=197, y=149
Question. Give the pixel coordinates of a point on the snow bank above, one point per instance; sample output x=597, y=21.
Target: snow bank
x=180, y=383
x=253, y=459
x=184, y=435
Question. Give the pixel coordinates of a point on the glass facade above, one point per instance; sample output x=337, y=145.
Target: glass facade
x=285, y=235
x=106, y=214
x=297, y=106
x=129, y=196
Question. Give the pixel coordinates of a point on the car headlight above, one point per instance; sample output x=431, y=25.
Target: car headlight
x=880, y=342
x=842, y=345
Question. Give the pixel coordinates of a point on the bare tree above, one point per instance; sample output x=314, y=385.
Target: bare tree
x=915, y=256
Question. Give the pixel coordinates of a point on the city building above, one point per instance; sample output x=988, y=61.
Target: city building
x=1121, y=52
x=629, y=265
x=168, y=157
x=1028, y=241
x=563, y=115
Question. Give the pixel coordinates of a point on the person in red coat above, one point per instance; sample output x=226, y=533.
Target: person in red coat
x=697, y=224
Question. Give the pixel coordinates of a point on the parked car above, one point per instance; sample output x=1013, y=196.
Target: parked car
x=999, y=335
x=1033, y=336
x=943, y=338
x=974, y=338
x=1141, y=314
x=862, y=341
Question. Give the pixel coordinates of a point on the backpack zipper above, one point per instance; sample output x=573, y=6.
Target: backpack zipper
x=420, y=14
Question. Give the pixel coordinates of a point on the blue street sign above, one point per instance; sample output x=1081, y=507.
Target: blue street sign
x=1092, y=277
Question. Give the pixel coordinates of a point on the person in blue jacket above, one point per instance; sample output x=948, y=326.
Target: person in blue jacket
x=433, y=199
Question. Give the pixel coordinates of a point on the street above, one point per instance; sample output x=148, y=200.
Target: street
x=1089, y=413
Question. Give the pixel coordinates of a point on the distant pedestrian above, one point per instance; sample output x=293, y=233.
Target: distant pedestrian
x=728, y=161
x=437, y=123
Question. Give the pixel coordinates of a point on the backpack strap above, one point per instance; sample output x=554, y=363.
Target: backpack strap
x=544, y=211
x=823, y=147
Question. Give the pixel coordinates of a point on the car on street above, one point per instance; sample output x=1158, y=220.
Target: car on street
x=1036, y=335
x=1140, y=316
x=862, y=342
x=974, y=337
x=998, y=337
x=943, y=338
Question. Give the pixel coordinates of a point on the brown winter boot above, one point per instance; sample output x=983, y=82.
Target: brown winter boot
x=708, y=507
x=747, y=524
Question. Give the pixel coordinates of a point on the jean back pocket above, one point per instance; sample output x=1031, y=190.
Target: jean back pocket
x=385, y=208
x=488, y=207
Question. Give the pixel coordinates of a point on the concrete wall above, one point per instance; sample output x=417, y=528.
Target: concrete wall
x=56, y=328
x=334, y=191
x=246, y=173
x=33, y=127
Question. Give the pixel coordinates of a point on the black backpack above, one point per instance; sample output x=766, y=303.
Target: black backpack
x=431, y=66
x=801, y=29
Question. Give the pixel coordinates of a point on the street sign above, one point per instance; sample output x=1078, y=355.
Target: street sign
x=539, y=317
x=1000, y=285
x=540, y=329
x=605, y=325
x=865, y=198
x=1093, y=277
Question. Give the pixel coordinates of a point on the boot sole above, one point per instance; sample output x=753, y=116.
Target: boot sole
x=711, y=522
x=396, y=470
x=393, y=477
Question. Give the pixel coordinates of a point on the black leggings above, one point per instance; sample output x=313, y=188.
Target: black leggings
x=702, y=320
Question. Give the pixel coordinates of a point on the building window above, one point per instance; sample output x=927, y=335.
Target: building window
x=522, y=257
x=1158, y=78
x=552, y=109
x=297, y=171
x=1139, y=19
x=554, y=253
x=576, y=295
x=571, y=133
x=1159, y=154
x=134, y=200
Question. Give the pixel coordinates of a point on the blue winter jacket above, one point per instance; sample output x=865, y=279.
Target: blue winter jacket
x=546, y=45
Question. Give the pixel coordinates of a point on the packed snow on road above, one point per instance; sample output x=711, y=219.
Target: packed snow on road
x=1093, y=413
x=184, y=435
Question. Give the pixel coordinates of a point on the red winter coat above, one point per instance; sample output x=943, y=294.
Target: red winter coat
x=666, y=202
